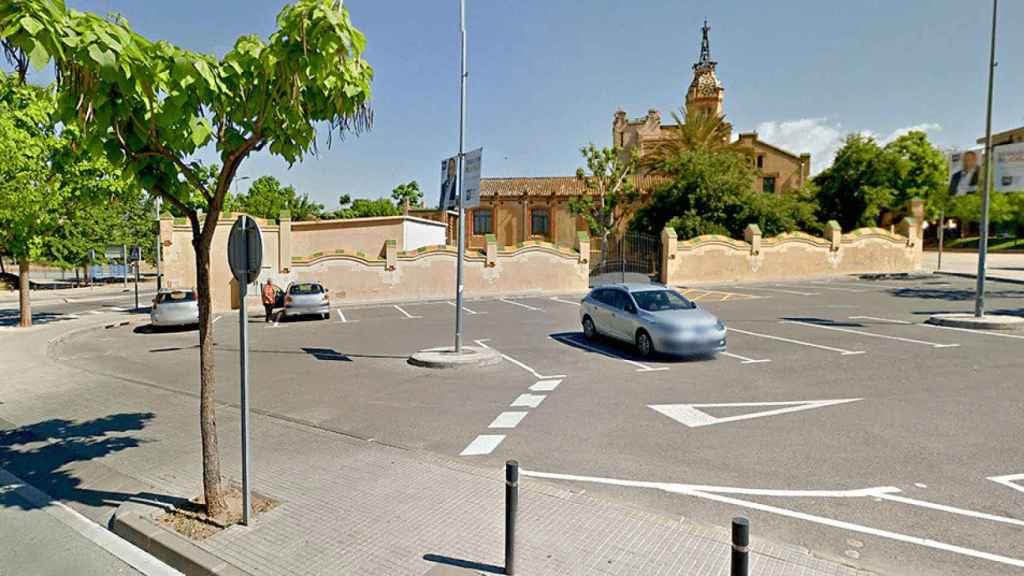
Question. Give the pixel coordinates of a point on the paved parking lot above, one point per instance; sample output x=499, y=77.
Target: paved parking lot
x=837, y=420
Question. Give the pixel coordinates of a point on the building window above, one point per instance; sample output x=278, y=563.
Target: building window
x=539, y=222
x=768, y=184
x=760, y=161
x=482, y=223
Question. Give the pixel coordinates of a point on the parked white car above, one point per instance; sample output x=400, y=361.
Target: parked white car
x=173, y=307
x=307, y=298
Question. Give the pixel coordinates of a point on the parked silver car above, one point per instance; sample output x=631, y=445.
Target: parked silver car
x=307, y=298
x=653, y=318
x=174, y=308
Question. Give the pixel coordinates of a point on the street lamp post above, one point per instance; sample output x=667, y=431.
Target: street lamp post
x=462, y=206
x=979, y=302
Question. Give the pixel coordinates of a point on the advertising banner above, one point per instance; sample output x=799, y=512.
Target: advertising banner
x=471, y=174
x=964, y=171
x=449, y=184
x=1009, y=174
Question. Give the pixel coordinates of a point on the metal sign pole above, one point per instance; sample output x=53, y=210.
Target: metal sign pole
x=159, y=274
x=124, y=262
x=942, y=235
x=979, y=302
x=462, y=206
x=243, y=347
x=136, y=285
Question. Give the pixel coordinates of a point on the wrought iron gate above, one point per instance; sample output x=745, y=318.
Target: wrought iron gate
x=632, y=257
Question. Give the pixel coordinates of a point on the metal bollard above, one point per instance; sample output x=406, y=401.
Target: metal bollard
x=740, y=542
x=511, y=507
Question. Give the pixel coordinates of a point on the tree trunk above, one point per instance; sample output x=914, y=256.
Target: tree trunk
x=25, y=305
x=2, y=269
x=216, y=507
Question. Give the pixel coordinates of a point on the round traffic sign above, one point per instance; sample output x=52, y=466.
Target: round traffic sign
x=245, y=250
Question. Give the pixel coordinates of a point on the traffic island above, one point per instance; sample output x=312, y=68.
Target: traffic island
x=985, y=322
x=447, y=357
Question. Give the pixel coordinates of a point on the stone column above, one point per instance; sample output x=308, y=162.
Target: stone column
x=390, y=255
x=526, y=216
x=752, y=234
x=834, y=234
x=908, y=227
x=583, y=246
x=669, y=247
x=284, y=242
x=491, y=250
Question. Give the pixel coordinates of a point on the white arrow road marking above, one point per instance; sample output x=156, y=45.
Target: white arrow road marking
x=744, y=359
x=800, y=342
x=520, y=304
x=869, y=334
x=690, y=415
x=718, y=494
x=1008, y=481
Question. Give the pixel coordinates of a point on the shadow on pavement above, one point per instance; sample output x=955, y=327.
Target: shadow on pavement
x=953, y=295
x=617, y=350
x=824, y=322
x=11, y=317
x=468, y=564
x=40, y=454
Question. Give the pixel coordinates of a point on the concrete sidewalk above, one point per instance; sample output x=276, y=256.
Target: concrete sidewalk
x=1007, y=267
x=347, y=505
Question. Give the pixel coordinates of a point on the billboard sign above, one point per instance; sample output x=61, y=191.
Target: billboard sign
x=471, y=177
x=1009, y=174
x=964, y=171
x=449, y=183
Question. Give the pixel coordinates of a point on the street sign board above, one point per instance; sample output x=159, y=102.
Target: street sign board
x=245, y=250
x=114, y=253
x=135, y=254
x=471, y=177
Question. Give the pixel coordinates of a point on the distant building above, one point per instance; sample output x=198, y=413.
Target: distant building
x=519, y=209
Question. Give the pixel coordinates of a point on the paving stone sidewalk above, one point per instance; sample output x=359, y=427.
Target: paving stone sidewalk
x=357, y=507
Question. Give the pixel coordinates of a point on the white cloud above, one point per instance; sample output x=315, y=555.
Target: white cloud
x=823, y=138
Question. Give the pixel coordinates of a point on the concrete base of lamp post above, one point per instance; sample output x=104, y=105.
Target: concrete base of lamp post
x=986, y=322
x=445, y=357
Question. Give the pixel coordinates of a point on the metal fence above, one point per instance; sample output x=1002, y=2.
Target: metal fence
x=632, y=257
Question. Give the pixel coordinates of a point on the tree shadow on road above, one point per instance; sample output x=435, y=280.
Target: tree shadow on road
x=11, y=317
x=43, y=454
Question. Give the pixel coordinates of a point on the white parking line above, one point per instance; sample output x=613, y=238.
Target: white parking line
x=94, y=312
x=482, y=445
x=640, y=367
x=341, y=315
x=889, y=320
x=452, y=304
x=508, y=420
x=950, y=509
x=744, y=359
x=824, y=286
x=215, y=318
x=795, y=292
x=718, y=494
x=800, y=342
x=528, y=401
x=870, y=334
x=545, y=385
x=536, y=374
x=520, y=304
x=557, y=299
x=407, y=315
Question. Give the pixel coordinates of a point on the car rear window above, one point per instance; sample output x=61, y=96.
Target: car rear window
x=177, y=296
x=655, y=300
x=309, y=288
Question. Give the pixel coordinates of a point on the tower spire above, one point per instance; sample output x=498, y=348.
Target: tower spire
x=705, y=49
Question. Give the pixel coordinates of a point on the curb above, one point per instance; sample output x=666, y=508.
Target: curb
x=975, y=276
x=167, y=545
x=967, y=320
x=471, y=356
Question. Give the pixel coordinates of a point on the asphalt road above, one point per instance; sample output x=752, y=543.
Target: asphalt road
x=49, y=306
x=880, y=442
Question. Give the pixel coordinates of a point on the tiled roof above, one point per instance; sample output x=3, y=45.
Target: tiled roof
x=551, y=186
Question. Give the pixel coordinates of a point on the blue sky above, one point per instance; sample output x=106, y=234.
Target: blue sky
x=547, y=75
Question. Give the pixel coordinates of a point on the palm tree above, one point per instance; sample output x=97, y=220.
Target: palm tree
x=700, y=130
x=407, y=195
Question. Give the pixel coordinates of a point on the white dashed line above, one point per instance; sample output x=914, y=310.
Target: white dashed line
x=545, y=385
x=869, y=334
x=407, y=315
x=744, y=359
x=528, y=401
x=557, y=299
x=520, y=304
x=508, y=420
x=482, y=445
x=800, y=342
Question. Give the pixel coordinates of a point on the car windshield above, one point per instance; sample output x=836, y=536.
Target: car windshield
x=657, y=300
x=177, y=296
x=300, y=289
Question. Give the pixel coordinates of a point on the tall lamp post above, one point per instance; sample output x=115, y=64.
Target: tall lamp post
x=462, y=206
x=979, y=302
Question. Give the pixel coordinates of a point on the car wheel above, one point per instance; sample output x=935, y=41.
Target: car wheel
x=644, y=346
x=589, y=331
x=325, y=315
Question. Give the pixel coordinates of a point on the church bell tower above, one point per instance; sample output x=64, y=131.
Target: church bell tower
x=705, y=92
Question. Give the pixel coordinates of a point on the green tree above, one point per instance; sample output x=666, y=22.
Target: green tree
x=152, y=106
x=695, y=129
x=407, y=193
x=365, y=208
x=610, y=196
x=267, y=198
x=859, y=184
x=920, y=171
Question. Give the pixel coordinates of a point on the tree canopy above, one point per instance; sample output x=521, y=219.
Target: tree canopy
x=611, y=195
x=408, y=192
x=267, y=198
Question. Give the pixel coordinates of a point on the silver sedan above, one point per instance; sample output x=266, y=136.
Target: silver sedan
x=174, y=308
x=307, y=298
x=653, y=318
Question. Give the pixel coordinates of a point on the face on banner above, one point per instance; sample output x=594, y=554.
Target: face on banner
x=449, y=183
x=964, y=171
x=1009, y=174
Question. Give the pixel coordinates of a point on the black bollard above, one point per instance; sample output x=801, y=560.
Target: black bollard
x=740, y=542
x=511, y=506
